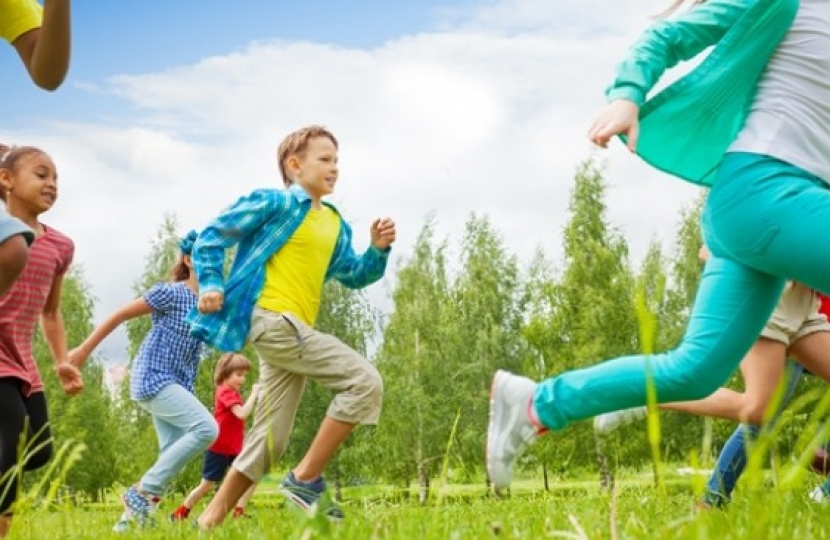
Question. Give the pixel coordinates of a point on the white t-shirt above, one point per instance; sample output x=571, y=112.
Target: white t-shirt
x=790, y=118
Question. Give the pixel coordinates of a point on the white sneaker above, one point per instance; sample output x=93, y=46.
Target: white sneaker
x=510, y=431
x=818, y=495
x=123, y=524
x=608, y=422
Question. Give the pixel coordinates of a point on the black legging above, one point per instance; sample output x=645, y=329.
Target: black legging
x=14, y=409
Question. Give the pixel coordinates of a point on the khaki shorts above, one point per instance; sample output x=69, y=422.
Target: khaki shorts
x=796, y=316
x=289, y=353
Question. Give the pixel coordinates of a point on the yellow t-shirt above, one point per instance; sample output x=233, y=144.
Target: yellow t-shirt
x=295, y=274
x=18, y=17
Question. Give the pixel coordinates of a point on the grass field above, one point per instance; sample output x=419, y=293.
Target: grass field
x=573, y=509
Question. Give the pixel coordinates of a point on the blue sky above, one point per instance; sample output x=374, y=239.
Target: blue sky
x=116, y=37
x=442, y=108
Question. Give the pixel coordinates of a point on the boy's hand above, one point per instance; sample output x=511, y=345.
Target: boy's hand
x=382, y=233
x=211, y=302
x=70, y=378
x=77, y=356
x=255, y=389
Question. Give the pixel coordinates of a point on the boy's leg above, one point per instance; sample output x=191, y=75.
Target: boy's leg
x=733, y=457
x=279, y=397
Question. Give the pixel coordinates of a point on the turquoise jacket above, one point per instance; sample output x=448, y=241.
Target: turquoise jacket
x=686, y=129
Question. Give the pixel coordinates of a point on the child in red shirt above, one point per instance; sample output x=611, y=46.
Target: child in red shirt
x=230, y=413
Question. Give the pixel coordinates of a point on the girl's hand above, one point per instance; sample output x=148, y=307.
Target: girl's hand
x=616, y=118
x=211, y=302
x=70, y=378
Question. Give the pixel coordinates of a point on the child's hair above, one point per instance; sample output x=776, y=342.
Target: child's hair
x=181, y=271
x=227, y=364
x=10, y=156
x=675, y=6
x=295, y=144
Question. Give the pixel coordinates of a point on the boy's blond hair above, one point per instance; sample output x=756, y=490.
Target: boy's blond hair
x=227, y=364
x=295, y=144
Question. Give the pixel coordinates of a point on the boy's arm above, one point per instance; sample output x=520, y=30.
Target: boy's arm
x=239, y=221
x=669, y=42
x=244, y=411
x=356, y=272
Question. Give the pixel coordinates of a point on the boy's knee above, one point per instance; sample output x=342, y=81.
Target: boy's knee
x=371, y=385
x=753, y=413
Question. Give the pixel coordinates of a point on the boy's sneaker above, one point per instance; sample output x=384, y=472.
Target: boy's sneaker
x=819, y=495
x=608, y=422
x=512, y=426
x=181, y=513
x=136, y=507
x=310, y=496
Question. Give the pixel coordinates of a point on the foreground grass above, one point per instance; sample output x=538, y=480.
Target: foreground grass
x=571, y=510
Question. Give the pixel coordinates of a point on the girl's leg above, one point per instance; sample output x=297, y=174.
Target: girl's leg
x=180, y=409
x=39, y=443
x=762, y=369
x=12, y=423
x=732, y=306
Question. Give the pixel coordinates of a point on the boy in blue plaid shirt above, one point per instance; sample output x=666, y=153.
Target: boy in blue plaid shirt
x=289, y=243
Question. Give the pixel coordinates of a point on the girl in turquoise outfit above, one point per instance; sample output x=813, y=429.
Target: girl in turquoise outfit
x=752, y=121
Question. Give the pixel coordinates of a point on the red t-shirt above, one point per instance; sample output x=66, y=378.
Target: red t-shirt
x=825, y=305
x=231, y=428
x=49, y=256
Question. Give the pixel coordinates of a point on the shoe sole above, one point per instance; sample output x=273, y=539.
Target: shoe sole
x=491, y=431
x=304, y=506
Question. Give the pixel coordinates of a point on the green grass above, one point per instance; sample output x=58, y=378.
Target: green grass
x=573, y=509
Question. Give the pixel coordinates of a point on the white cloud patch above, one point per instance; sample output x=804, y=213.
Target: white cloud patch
x=488, y=115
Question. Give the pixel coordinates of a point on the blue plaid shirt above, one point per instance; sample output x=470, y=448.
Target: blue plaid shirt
x=169, y=354
x=261, y=223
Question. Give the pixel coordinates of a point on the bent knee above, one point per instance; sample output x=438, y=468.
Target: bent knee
x=207, y=431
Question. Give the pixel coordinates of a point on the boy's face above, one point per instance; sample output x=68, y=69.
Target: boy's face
x=316, y=171
x=237, y=379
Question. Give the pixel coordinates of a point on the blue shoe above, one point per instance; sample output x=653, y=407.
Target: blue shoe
x=137, y=507
x=311, y=497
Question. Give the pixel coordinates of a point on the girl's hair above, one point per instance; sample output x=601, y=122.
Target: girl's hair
x=181, y=271
x=10, y=156
x=295, y=144
x=227, y=364
x=675, y=6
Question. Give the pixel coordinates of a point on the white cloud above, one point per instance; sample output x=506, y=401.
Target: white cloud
x=488, y=115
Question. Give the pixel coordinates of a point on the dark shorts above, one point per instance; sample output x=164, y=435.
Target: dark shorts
x=216, y=466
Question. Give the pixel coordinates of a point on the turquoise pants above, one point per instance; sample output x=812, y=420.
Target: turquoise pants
x=765, y=221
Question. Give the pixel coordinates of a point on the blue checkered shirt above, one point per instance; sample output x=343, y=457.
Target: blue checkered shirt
x=260, y=224
x=169, y=354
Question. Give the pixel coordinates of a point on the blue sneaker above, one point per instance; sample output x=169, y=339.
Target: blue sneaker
x=311, y=497
x=136, y=507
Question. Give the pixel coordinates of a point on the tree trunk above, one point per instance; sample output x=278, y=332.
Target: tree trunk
x=423, y=483
x=606, y=475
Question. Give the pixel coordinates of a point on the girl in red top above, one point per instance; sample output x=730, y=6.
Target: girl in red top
x=29, y=186
x=230, y=413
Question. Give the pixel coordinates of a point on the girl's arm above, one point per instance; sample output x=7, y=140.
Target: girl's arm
x=243, y=411
x=45, y=51
x=670, y=42
x=133, y=309
x=54, y=332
